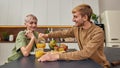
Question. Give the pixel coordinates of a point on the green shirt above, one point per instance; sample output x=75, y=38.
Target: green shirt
x=21, y=40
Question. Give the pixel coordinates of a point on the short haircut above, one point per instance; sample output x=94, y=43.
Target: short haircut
x=84, y=9
x=30, y=17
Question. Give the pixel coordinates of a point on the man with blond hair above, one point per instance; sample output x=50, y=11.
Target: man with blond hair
x=90, y=38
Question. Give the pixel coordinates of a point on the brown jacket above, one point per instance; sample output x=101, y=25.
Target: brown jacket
x=90, y=41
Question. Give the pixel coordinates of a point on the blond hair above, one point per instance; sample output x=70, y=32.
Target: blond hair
x=84, y=9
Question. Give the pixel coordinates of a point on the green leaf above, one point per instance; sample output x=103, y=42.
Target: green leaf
x=94, y=16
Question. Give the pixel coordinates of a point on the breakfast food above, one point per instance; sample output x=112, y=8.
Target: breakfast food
x=52, y=44
x=64, y=46
x=58, y=48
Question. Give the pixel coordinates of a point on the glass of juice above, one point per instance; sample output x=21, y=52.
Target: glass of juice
x=39, y=52
x=41, y=43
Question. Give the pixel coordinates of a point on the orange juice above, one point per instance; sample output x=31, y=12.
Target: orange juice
x=40, y=45
x=39, y=52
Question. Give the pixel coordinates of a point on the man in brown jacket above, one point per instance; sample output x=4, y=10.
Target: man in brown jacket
x=90, y=39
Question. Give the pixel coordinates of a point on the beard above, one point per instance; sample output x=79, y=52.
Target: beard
x=78, y=24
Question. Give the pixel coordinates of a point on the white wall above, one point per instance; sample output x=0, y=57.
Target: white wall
x=49, y=12
x=109, y=5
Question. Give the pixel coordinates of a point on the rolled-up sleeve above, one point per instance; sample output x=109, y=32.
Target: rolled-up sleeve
x=63, y=33
x=88, y=50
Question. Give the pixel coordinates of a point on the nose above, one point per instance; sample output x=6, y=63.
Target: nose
x=34, y=24
x=73, y=20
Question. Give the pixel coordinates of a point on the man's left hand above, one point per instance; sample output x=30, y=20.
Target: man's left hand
x=49, y=57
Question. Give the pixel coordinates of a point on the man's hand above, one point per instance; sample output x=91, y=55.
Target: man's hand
x=49, y=57
x=43, y=35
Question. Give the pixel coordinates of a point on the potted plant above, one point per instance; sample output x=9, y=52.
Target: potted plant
x=5, y=36
x=94, y=17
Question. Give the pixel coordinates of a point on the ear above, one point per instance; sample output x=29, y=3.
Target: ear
x=25, y=24
x=85, y=18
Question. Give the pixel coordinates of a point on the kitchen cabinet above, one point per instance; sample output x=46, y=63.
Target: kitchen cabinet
x=5, y=51
x=40, y=10
x=10, y=13
x=55, y=12
x=110, y=19
x=66, y=12
x=14, y=12
x=3, y=12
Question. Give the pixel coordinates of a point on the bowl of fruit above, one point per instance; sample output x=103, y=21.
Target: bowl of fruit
x=63, y=47
x=57, y=47
x=52, y=44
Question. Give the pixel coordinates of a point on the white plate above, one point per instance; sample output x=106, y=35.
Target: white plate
x=32, y=53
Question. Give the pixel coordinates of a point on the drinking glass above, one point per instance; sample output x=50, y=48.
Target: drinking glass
x=39, y=52
x=41, y=43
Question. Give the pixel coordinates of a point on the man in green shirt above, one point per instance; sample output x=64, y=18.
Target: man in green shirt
x=25, y=40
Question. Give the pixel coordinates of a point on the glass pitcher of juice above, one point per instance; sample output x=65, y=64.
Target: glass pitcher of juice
x=39, y=52
x=41, y=43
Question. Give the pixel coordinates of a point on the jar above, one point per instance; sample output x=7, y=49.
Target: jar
x=11, y=37
x=41, y=43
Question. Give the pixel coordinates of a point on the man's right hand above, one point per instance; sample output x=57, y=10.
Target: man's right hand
x=43, y=35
